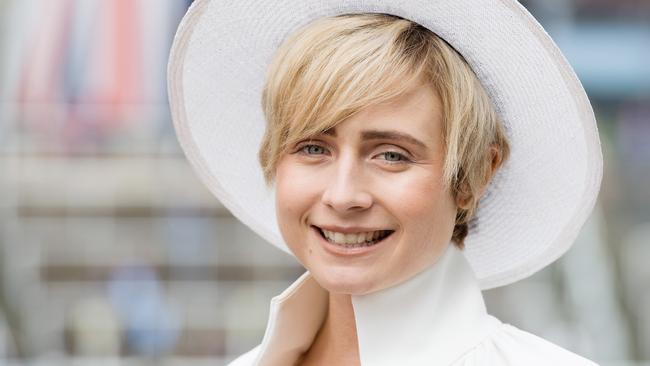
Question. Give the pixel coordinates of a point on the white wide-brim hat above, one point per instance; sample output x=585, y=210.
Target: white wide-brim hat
x=533, y=208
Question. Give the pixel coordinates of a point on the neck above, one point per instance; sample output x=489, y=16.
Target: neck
x=437, y=314
x=439, y=311
x=336, y=342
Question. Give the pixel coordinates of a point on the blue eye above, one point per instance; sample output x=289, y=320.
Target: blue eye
x=313, y=149
x=393, y=156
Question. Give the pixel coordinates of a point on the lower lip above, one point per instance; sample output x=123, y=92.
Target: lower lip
x=348, y=252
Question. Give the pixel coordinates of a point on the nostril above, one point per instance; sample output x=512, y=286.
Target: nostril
x=348, y=199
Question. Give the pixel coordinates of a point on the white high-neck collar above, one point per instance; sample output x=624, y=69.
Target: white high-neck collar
x=433, y=318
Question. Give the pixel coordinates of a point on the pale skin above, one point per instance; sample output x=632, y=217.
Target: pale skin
x=336, y=342
x=381, y=170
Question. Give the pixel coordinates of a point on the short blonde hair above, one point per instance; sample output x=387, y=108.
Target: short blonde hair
x=334, y=67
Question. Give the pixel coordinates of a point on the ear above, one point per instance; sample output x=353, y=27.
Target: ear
x=464, y=193
x=463, y=197
x=496, y=159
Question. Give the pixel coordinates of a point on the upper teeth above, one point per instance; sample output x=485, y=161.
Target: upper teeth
x=356, y=238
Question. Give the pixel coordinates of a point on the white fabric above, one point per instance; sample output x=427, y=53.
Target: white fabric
x=437, y=317
x=533, y=208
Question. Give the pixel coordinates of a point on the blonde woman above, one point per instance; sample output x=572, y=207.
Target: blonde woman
x=408, y=154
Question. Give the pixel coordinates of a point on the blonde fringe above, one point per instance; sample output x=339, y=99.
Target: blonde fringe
x=334, y=67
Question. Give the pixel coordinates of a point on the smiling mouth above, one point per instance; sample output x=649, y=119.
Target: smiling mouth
x=355, y=240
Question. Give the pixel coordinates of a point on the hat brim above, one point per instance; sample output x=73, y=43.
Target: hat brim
x=535, y=205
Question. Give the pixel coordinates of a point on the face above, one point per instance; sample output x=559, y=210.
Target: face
x=378, y=173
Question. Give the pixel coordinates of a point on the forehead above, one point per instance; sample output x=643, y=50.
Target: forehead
x=419, y=111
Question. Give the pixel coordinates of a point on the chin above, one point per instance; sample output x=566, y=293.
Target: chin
x=345, y=281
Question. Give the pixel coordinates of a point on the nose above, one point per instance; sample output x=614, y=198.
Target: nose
x=346, y=191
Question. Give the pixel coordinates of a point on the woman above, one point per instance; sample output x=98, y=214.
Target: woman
x=404, y=171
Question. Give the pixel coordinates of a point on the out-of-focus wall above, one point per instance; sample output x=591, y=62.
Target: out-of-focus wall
x=110, y=248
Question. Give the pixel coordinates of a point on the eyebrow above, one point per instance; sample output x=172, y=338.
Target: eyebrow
x=384, y=135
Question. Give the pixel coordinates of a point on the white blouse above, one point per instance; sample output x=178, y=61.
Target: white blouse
x=438, y=317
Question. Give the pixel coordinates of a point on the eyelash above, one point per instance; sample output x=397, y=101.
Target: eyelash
x=403, y=158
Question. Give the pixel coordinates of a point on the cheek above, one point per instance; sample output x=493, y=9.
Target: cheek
x=293, y=197
x=424, y=204
x=285, y=206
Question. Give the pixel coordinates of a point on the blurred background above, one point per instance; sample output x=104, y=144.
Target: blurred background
x=112, y=252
